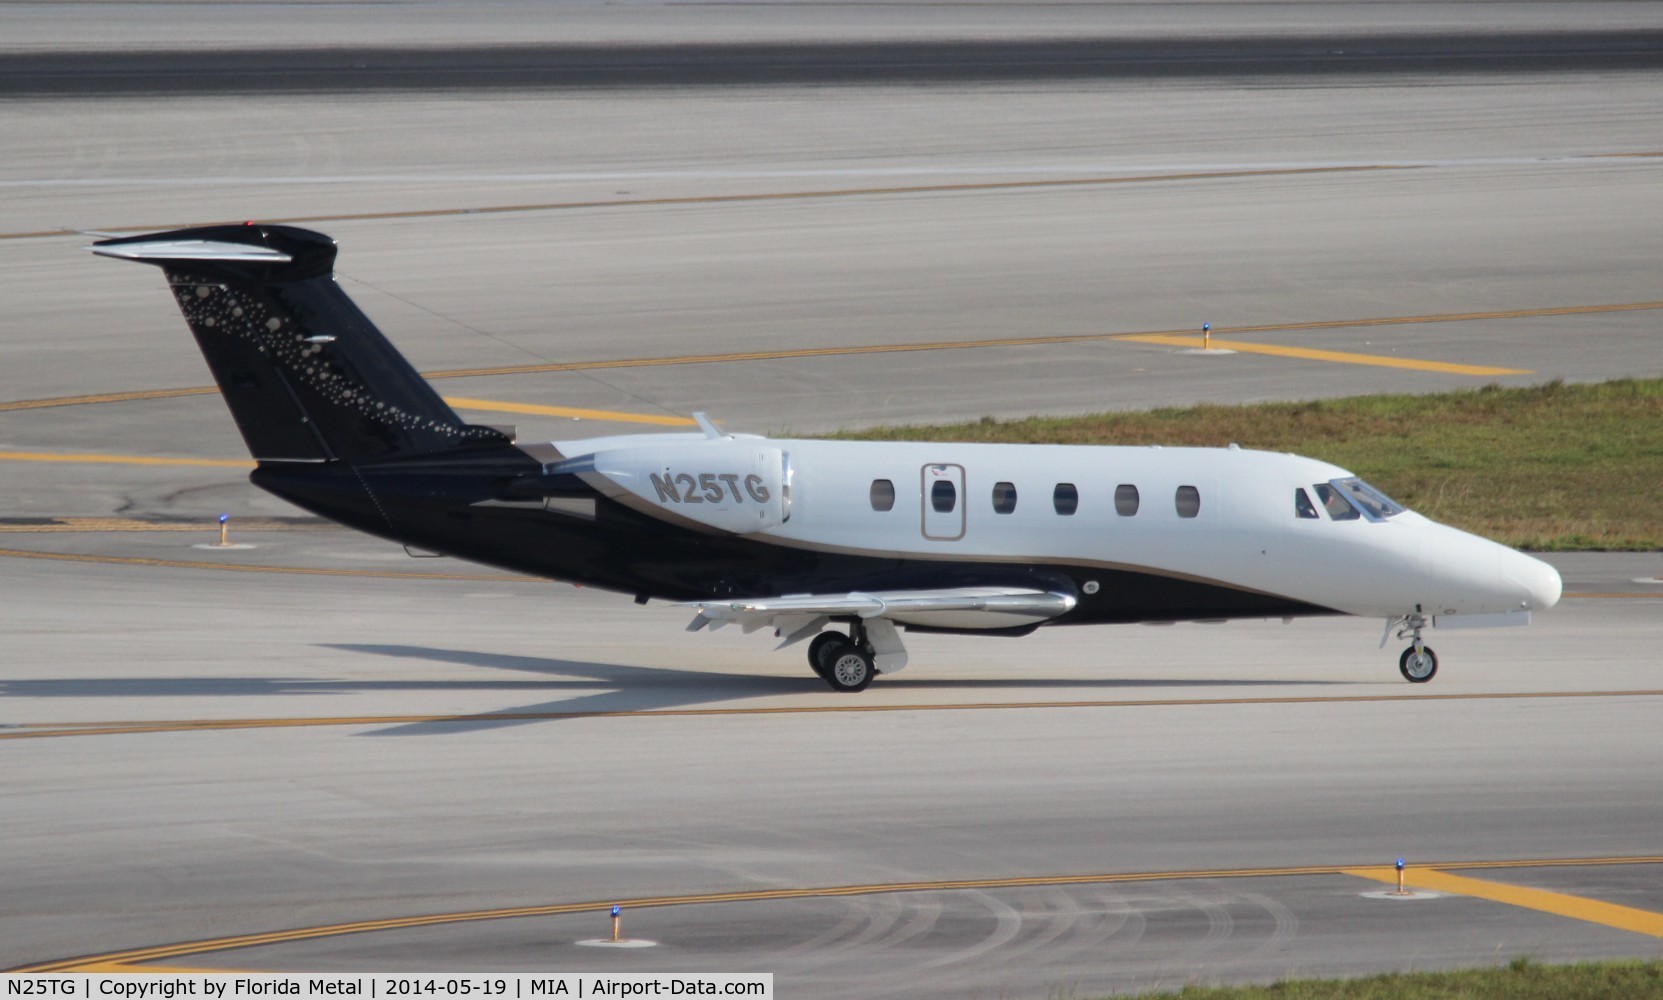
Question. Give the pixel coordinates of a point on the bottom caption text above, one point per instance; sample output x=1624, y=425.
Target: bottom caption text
x=162, y=984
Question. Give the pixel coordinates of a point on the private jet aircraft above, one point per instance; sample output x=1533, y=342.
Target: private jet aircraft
x=801, y=535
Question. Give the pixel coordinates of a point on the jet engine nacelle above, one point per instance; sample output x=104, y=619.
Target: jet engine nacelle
x=729, y=484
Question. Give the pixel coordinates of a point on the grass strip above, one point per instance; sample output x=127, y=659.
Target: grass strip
x=1520, y=980
x=1552, y=467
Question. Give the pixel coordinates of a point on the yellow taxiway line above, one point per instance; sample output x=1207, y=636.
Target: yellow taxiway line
x=1593, y=911
x=106, y=397
x=944, y=345
x=131, y=956
x=617, y=416
x=47, y=730
x=128, y=525
x=252, y=568
x=460, y=403
x=1038, y=341
x=53, y=456
x=1313, y=354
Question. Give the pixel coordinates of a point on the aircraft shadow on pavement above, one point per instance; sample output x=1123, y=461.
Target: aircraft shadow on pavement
x=579, y=687
x=644, y=689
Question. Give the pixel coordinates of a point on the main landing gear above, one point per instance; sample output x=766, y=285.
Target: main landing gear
x=847, y=663
x=1418, y=664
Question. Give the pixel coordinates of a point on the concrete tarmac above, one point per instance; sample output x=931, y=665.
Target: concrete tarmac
x=207, y=742
x=412, y=747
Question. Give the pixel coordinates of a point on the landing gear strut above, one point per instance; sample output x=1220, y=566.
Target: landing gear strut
x=848, y=664
x=1418, y=664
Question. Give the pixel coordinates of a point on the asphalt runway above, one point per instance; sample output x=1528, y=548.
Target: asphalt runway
x=346, y=758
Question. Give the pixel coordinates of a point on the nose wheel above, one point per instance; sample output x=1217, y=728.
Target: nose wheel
x=1418, y=664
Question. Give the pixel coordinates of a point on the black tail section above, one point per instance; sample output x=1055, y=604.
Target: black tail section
x=306, y=374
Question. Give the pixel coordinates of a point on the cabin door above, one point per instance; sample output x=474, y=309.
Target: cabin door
x=944, y=502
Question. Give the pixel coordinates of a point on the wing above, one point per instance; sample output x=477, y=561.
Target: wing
x=795, y=617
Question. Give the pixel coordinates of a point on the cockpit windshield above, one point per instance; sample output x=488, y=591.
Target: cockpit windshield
x=1375, y=505
x=1334, y=502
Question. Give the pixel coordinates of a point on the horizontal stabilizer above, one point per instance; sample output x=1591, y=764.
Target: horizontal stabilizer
x=184, y=250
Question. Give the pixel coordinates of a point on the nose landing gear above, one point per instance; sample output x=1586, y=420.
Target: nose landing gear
x=1418, y=664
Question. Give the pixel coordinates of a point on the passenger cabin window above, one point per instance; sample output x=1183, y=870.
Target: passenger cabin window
x=1004, y=498
x=1302, y=504
x=1337, y=506
x=1187, y=500
x=883, y=495
x=1065, y=498
x=944, y=496
x=1125, y=499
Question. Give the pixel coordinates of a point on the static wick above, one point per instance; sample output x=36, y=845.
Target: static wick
x=617, y=920
x=224, y=527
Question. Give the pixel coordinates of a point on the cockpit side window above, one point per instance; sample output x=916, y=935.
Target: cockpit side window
x=1336, y=505
x=1302, y=504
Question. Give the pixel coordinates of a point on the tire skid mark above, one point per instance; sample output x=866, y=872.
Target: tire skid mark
x=1060, y=911
x=881, y=915
x=1287, y=923
x=1104, y=916
x=1123, y=924
x=923, y=915
x=1221, y=926
x=1154, y=898
x=866, y=921
x=853, y=916
x=1007, y=925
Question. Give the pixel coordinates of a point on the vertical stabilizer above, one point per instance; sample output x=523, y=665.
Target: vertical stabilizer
x=305, y=373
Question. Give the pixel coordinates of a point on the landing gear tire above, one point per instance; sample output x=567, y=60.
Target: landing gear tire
x=819, y=649
x=851, y=668
x=1418, y=667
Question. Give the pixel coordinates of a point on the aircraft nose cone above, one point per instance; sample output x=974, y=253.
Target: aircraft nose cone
x=1539, y=582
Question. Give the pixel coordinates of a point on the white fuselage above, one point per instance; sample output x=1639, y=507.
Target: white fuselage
x=1243, y=533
